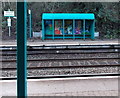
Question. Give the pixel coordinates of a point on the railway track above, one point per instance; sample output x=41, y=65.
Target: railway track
x=64, y=59
x=72, y=49
x=62, y=76
x=57, y=52
x=62, y=47
x=51, y=67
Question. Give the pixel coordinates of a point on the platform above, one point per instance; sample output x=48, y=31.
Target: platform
x=61, y=42
x=79, y=86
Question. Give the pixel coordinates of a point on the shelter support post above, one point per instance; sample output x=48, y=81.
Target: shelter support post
x=53, y=30
x=73, y=29
x=84, y=29
x=63, y=29
x=43, y=35
x=93, y=30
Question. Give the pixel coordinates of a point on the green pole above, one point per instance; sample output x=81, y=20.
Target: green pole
x=31, y=25
x=73, y=29
x=43, y=35
x=63, y=29
x=84, y=29
x=21, y=49
x=53, y=29
x=93, y=30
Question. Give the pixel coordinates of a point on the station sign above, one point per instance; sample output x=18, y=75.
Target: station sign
x=9, y=13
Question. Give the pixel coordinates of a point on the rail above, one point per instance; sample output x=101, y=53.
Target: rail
x=62, y=76
x=56, y=47
x=65, y=59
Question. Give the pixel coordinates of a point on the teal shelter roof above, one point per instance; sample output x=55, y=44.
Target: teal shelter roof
x=68, y=16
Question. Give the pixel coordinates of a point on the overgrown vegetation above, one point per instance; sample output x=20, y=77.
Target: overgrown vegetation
x=106, y=14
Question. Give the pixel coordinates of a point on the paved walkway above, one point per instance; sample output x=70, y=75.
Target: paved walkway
x=79, y=86
x=84, y=93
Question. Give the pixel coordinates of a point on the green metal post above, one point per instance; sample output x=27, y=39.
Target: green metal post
x=93, y=30
x=63, y=29
x=73, y=29
x=53, y=29
x=31, y=26
x=21, y=49
x=84, y=29
x=43, y=35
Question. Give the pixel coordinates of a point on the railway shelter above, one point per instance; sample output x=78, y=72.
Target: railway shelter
x=68, y=25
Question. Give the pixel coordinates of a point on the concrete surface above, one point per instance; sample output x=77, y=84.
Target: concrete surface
x=90, y=86
x=64, y=42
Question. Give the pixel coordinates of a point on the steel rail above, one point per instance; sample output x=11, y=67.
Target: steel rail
x=81, y=45
x=51, y=67
x=14, y=54
x=63, y=76
x=68, y=49
x=62, y=59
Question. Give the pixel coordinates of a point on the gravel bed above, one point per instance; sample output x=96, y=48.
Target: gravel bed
x=62, y=63
x=66, y=56
x=66, y=71
x=69, y=71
